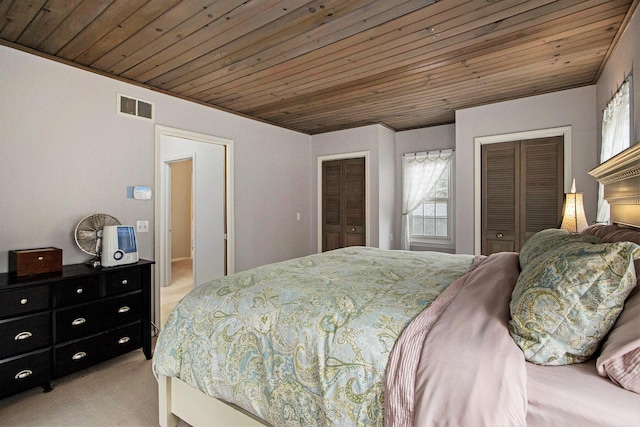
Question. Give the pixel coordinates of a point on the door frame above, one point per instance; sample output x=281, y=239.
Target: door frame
x=162, y=242
x=478, y=142
x=367, y=186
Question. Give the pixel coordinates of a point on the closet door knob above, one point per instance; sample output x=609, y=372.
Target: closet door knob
x=499, y=235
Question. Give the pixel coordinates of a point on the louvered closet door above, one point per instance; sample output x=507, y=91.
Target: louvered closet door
x=343, y=203
x=542, y=175
x=354, y=198
x=500, y=197
x=331, y=205
x=522, y=191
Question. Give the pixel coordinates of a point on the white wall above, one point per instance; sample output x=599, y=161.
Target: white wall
x=624, y=61
x=575, y=108
x=415, y=141
x=386, y=185
x=65, y=153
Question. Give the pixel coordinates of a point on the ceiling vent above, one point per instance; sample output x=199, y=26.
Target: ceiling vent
x=135, y=107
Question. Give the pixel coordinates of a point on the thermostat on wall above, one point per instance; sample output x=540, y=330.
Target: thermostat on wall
x=141, y=193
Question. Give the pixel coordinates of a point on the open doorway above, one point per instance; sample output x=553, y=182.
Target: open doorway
x=181, y=233
x=206, y=235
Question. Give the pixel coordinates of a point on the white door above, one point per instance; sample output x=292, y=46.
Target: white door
x=209, y=207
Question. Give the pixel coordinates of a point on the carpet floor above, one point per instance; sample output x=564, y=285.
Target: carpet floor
x=119, y=392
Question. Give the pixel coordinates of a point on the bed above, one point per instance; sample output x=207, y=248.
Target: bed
x=361, y=336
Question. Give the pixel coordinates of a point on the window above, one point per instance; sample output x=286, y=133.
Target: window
x=616, y=136
x=427, y=199
x=430, y=221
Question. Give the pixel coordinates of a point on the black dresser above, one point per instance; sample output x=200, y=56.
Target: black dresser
x=53, y=325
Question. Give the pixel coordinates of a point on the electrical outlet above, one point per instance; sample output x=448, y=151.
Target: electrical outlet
x=142, y=226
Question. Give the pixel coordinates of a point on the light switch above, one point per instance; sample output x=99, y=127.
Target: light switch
x=142, y=226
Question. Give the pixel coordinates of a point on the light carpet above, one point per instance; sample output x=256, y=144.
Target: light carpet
x=119, y=392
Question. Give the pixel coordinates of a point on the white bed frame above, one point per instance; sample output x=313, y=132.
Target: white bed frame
x=178, y=400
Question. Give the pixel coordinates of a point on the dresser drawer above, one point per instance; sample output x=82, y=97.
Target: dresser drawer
x=76, y=322
x=24, y=334
x=76, y=291
x=123, y=340
x=22, y=373
x=24, y=300
x=97, y=316
x=80, y=354
x=122, y=310
x=123, y=281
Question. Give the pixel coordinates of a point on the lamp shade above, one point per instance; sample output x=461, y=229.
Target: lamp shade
x=573, y=218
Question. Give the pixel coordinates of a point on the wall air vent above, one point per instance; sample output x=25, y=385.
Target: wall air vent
x=134, y=107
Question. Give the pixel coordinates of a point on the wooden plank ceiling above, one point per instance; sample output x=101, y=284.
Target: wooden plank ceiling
x=318, y=66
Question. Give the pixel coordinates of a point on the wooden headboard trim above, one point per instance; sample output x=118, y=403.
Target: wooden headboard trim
x=620, y=176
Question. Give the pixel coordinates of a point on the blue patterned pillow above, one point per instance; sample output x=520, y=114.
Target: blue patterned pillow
x=567, y=299
x=546, y=240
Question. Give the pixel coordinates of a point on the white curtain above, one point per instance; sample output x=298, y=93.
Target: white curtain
x=615, y=138
x=420, y=174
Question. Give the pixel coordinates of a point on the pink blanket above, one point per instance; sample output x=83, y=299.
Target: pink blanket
x=456, y=363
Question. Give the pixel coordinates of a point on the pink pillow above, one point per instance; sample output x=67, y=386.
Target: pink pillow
x=620, y=355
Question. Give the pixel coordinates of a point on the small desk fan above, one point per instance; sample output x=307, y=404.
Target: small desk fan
x=88, y=234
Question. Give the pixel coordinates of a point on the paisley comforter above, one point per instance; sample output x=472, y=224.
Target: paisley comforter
x=305, y=341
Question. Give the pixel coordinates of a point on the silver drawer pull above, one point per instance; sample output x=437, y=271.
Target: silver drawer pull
x=79, y=355
x=79, y=321
x=125, y=281
x=124, y=340
x=40, y=258
x=124, y=309
x=23, y=301
x=23, y=374
x=79, y=291
x=23, y=336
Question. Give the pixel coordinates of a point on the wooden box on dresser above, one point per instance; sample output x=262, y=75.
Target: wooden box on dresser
x=51, y=326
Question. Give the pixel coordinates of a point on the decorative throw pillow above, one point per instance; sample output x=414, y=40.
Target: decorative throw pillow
x=617, y=233
x=620, y=355
x=546, y=240
x=567, y=299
